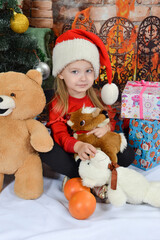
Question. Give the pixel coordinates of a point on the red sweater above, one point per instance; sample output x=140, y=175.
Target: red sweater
x=58, y=124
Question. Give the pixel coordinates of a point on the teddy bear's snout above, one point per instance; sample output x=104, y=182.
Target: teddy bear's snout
x=7, y=104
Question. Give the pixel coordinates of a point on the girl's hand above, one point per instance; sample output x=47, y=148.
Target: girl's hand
x=100, y=131
x=84, y=150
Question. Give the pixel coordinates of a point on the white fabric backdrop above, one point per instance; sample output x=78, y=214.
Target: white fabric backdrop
x=48, y=218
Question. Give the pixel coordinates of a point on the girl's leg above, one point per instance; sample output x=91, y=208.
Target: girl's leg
x=127, y=157
x=60, y=161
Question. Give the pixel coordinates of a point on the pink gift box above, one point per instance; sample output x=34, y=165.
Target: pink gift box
x=141, y=100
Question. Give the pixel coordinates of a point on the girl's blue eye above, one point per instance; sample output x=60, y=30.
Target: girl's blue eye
x=75, y=72
x=89, y=70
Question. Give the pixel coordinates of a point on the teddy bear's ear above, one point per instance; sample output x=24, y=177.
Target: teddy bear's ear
x=35, y=75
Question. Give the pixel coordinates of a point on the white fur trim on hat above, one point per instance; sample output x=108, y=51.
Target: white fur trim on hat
x=69, y=51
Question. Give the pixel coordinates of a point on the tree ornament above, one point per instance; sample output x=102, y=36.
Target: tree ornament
x=43, y=68
x=19, y=23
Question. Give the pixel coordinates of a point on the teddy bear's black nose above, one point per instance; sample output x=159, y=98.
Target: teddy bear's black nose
x=1, y=99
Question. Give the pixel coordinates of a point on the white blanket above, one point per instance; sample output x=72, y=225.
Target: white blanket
x=47, y=218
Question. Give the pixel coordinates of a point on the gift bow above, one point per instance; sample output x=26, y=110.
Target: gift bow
x=143, y=83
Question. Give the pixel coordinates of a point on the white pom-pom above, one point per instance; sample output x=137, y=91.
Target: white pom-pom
x=109, y=93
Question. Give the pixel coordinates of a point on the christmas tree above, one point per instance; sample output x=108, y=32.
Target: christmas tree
x=18, y=50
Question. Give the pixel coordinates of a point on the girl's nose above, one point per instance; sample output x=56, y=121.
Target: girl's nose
x=83, y=76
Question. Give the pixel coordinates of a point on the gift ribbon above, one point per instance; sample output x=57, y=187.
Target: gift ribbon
x=143, y=84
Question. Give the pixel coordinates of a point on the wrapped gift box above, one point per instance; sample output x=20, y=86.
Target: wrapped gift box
x=144, y=137
x=141, y=100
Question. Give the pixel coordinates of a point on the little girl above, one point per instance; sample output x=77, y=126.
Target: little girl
x=76, y=63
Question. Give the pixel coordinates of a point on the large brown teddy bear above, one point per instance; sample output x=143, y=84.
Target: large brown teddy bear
x=85, y=120
x=21, y=136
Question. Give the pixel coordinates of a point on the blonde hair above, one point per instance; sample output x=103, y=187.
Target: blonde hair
x=61, y=93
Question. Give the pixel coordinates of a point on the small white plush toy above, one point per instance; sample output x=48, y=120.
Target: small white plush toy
x=125, y=185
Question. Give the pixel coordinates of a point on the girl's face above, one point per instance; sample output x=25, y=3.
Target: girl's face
x=78, y=77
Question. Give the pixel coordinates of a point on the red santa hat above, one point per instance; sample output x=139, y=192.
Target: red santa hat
x=78, y=44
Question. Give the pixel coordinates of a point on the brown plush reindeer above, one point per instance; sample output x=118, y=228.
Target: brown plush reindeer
x=85, y=120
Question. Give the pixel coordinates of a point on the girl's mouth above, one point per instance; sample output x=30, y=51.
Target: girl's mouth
x=82, y=85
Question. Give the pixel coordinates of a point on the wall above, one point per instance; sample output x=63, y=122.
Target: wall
x=39, y=13
x=136, y=56
x=101, y=10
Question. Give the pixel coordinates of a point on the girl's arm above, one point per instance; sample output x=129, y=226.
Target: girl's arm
x=59, y=129
x=70, y=144
x=62, y=137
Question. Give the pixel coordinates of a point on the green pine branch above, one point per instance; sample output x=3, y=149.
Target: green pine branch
x=9, y=4
x=18, y=52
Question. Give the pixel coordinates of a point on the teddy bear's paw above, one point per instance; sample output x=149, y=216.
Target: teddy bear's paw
x=29, y=195
x=30, y=189
x=42, y=144
x=153, y=195
x=47, y=145
x=1, y=181
x=117, y=197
